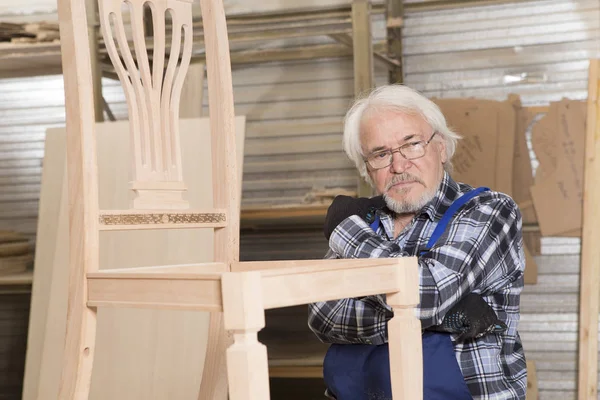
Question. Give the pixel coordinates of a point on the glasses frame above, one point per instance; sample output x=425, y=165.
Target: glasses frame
x=399, y=150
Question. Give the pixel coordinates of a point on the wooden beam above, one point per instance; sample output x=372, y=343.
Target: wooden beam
x=94, y=39
x=202, y=293
x=589, y=295
x=363, y=46
x=261, y=217
x=394, y=20
x=364, y=80
x=347, y=40
x=295, y=371
x=532, y=382
x=309, y=280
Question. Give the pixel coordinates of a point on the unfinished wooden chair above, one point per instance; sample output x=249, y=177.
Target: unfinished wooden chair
x=236, y=293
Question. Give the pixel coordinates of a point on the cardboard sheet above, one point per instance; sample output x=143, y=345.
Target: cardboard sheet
x=558, y=141
x=484, y=154
x=522, y=170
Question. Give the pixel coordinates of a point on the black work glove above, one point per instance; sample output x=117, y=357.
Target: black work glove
x=343, y=207
x=472, y=317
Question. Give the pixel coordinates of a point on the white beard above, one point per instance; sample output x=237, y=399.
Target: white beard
x=408, y=207
x=405, y=206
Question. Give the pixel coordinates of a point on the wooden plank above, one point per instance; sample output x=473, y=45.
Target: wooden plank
x=531, y=268
x=295, y=371
x=253, y=217
x=532, y=382
x=200, y=292
x=364, y=79
x=394, y=16
x=175, y=271
x=82, y=195
x=310, y=284
x=362, y=47
x=589, y=295
x=290, y=267
x=225, y=182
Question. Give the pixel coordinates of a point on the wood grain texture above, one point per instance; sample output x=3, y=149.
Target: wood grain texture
x=51, y=207
x=127, y=366
x=589, y=295
x=405, y=343
x=224, y=177
x=82, y=181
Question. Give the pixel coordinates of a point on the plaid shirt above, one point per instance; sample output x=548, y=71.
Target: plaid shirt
x=481, y=251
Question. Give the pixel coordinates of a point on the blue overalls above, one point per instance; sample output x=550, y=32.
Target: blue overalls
x=362, y=371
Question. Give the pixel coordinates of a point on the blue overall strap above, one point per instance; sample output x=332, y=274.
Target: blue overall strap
x=454, y=207
x=375, y=224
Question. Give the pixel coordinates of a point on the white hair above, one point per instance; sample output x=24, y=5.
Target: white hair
x=400, y=98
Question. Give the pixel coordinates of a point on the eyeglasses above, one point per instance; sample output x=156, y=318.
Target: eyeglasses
x=410, y=151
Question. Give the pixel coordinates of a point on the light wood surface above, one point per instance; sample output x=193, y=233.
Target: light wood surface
x=123, y=369
x=82, y=196
x=532, y=382
x=589, y=294
x=247, y=294
x=224, y=177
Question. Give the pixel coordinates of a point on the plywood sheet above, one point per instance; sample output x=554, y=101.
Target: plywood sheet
x=140, y=354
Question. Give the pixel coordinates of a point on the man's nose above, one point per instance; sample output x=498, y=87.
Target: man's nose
x=399, y=163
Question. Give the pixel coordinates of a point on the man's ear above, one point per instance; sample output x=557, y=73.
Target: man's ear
x=443, y=153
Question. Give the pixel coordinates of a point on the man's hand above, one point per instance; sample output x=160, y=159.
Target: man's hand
x=472, y=317
x=343, y=207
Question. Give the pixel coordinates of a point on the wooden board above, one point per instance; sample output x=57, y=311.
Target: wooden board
x=532, y=382
x=589, y=294
x=141, y=354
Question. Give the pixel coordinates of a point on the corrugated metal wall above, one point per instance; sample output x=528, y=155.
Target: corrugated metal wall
x=294, y=113
x=476, y=51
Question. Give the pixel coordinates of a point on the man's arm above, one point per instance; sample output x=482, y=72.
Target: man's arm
x=350, y=321
x=483, y=252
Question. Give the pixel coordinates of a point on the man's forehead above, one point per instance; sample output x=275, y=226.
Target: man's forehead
x=393, y=139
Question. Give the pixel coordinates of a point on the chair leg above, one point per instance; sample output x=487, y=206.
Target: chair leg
x=244, y=315
x=248, y=368
x=214, y=373
x=78, y=353
x=406, y=360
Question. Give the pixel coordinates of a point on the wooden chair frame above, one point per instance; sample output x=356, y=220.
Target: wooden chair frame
x=236, y=293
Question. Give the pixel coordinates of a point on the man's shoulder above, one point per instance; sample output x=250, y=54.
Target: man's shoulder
x=491, y=198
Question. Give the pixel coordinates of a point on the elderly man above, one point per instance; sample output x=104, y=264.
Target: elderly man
x=468, y=242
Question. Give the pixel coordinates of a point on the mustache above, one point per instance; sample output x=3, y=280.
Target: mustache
x=404, y=177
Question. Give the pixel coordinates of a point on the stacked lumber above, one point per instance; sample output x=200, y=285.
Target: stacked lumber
x=29, y=32
x=16, y=253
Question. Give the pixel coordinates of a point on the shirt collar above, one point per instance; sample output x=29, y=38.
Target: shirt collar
x=448, y=191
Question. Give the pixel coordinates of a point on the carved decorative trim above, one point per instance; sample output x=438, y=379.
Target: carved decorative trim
x=162, y=219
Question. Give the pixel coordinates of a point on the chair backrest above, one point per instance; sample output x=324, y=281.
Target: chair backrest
x=152, y=92
x=152, y=85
